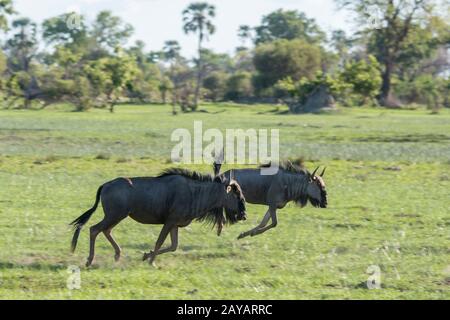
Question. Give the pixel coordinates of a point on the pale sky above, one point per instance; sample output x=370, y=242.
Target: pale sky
x=156, y=21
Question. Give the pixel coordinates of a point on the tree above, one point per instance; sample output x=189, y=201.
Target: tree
x=288, y=24
x=145, y=86
x=341, y=44
x=425, y=51
x=21, y=49
x=245, y=34
x=285, y=58
x=6, y=9
x=110, y=76
x=138, y=52
x=213, y=61
x=22, y=46
x=171, y=54
x=57, y=31
x=165, y=86
x=110, y=31
x=171, y=51
x=397, y=19
x=197, y=19
x=364, y=78
x=243, y=61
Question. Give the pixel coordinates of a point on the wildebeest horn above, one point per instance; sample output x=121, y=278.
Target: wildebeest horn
x=314, y=172
x=323, y=171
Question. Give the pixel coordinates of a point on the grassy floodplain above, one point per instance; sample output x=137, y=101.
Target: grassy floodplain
x=388, y=180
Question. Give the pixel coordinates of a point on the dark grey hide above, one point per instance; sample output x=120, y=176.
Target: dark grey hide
x=291, y=183
x=173, y=199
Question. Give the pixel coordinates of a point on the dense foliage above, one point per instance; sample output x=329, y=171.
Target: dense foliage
x=397, y=55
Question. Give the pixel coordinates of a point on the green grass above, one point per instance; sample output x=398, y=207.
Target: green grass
x=388, y=181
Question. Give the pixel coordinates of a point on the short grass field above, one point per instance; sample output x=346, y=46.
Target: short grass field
x=388, y=181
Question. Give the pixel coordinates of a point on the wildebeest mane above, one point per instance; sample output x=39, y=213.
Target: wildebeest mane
x=193, y=175
x=215, y=217
x=297, y=190
x=287, y=166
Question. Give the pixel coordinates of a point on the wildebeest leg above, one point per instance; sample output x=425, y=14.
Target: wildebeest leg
x=262, y=224
x=173, y=246
x=113, y=242
x=94, y=231
x=273, y=216
x=162, y=236
x=105, y=226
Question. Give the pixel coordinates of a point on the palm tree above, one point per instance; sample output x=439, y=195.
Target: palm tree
x=171, y=52
x=244, y=34
x=196, y=19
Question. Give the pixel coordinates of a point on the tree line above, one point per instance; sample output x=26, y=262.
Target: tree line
x=398, y=54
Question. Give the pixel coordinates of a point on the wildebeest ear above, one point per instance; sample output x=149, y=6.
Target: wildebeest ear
x=233, y=186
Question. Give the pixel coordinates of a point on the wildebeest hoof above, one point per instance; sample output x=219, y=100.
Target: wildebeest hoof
x=117, y=257
x=146, y=255
x=153, y=264
x=88, y=263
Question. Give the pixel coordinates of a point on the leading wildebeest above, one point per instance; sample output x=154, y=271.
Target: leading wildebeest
x=290, y=183
x=173, y=199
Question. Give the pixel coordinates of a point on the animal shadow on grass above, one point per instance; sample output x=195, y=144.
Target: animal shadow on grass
x=4, y=265
x=191, y=252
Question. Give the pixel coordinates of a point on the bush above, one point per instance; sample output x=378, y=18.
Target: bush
x=239, y=86
x=364, y=77
x=430, y=91
x=300, y=90
x=216, y=85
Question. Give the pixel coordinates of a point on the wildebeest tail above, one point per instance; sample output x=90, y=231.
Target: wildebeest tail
x=79, y=222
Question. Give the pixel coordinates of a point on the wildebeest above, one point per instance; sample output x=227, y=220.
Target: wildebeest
x=290, y=183
x=175, y=198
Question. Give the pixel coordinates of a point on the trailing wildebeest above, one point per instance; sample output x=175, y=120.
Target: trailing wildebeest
x=173, y=199
x=290, y=183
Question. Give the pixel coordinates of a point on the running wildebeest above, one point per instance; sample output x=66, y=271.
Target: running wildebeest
x=290, y=183
x=175, y=198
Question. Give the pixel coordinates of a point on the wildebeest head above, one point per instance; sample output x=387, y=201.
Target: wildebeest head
x=234, y=202
x=233, y=205
x=317, y=194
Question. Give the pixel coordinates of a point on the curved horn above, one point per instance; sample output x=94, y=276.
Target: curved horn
x=323, y=171
x=314, y=172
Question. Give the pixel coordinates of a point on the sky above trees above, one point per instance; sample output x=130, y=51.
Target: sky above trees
x=156, y=21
